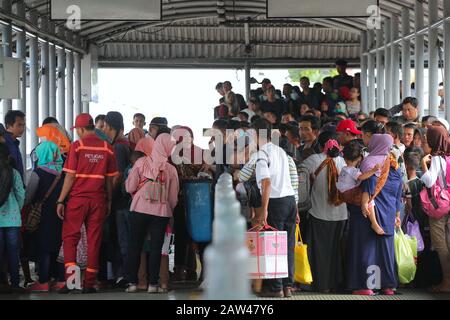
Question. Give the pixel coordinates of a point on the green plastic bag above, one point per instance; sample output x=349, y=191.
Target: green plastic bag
x=404, y=256
x=413, y=244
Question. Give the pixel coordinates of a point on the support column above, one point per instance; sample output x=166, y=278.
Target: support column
x=45, y=80
x=395, y=62
x=419, y=57
x=33, y=112
x=406, y=55
x=247, y=80
x=380, y=70
x=364, y=59
x=371, y=72
x=69, y=89
x=22, y=54
x=433, y=59
x=7, y=47
x=85, y=107
x=387, y=64
x=61, y=105
x=447, y=60
x=77, y=90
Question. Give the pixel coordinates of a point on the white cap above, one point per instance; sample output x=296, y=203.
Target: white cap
x=444, y=123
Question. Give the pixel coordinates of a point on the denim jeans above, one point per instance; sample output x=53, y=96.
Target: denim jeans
x=140, y=223
x=10, y=240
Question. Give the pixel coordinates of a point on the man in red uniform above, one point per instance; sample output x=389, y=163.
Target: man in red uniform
x=89, y=169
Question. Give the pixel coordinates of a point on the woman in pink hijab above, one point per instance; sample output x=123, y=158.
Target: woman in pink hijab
x=145, y=146
x=154, y=183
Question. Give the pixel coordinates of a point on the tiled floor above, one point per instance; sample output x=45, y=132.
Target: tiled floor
x=194, y=294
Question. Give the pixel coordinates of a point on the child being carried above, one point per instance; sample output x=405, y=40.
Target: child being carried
x=351, y=177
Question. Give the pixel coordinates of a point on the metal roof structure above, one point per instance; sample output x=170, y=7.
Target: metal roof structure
x=224, y=33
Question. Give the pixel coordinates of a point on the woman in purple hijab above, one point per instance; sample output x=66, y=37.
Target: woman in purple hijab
x=379, y=147
x=371, y=259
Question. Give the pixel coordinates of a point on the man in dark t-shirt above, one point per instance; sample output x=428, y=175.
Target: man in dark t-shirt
x=120, y=206
x=342, y=79
x=278, y=107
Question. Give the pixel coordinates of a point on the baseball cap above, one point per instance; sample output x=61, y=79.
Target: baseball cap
x=83, y=120
x=159, y=121
x=115, y=120
x=349, y=126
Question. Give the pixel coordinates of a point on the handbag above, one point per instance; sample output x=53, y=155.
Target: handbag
x=302, y=272
x=34, y=211
x=436, y=200
x=411, y=227
x=251, y=186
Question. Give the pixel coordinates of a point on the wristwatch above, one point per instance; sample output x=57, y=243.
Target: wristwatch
x=60, y=202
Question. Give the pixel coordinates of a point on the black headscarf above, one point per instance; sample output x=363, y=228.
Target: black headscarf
x=6, y=174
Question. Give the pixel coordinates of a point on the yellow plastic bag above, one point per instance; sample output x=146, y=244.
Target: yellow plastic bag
x=302, y=269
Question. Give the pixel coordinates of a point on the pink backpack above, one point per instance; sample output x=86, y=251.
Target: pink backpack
x=436, y=200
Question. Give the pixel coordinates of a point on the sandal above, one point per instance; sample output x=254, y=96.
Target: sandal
x=364, y=293
x=156, y=289
x=163, y=290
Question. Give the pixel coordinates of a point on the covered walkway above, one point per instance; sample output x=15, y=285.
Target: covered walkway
x=59, y=64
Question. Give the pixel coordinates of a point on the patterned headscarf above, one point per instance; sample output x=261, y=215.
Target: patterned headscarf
x=49, y=157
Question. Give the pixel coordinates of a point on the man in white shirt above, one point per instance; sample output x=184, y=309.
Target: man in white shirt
x=278, y=200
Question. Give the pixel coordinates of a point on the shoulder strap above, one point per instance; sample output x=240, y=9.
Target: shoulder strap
x=267, y=160
x=444, y=173
x=52, y=188
x=382, y=179
x=413, y=188
x=322, y=165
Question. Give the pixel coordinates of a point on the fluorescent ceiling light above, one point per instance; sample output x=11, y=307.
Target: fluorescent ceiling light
x=30, y=34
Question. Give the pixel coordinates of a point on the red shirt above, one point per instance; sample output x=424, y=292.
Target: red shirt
x=90, y=160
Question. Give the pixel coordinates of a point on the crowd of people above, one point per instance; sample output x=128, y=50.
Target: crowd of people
x=107, y=201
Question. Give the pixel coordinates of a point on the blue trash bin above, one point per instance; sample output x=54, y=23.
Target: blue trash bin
x=199, y=209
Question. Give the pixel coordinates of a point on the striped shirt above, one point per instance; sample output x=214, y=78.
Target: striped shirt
x=249, y=170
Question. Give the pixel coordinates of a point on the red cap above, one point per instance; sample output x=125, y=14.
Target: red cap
x=83, y=120
x=349, y=126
